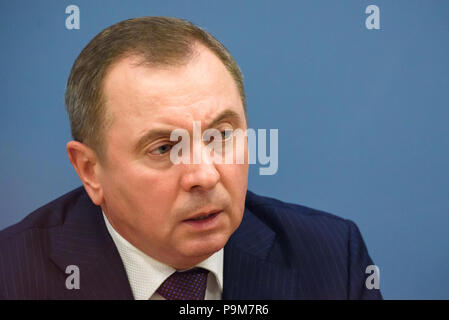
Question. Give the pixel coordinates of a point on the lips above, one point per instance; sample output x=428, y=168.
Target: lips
x=204, y=221
x=203, y=215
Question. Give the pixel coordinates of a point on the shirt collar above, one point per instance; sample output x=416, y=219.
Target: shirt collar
x=146, y=274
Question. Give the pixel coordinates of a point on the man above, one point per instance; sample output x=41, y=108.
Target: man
x=144, y=227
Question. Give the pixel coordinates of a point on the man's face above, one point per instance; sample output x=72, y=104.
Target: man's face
x=147, y=198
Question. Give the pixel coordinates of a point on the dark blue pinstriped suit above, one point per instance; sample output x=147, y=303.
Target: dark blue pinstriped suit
x=280, y=251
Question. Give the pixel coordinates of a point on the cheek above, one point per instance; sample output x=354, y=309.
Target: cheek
x=154, y=194
x=235, y=180
x=144, y=196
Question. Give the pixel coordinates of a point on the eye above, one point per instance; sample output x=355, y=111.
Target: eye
x=226, y=134
x=161, y=149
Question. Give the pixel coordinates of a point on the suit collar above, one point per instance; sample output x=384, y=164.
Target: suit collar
x=250, y=270
x=146, y=274
x=83, y=240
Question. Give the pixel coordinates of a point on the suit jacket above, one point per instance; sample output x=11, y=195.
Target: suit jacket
x=280, y=251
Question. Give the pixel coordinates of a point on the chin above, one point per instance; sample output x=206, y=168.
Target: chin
x=203, y=248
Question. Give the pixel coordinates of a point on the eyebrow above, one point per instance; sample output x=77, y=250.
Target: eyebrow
x=227, y=114
x=153, y=134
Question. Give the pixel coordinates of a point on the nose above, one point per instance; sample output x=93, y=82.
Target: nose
x=203, y=175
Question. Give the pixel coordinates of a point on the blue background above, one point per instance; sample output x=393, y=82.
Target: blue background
x=362, y=114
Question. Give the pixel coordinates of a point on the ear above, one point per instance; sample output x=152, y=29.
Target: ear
x=86, y=164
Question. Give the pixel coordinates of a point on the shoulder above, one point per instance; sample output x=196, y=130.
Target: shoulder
x=302, y=231
x=25, y=269
x=296, y=217
x=50, y=215
x=30, y=238
x=317, y=244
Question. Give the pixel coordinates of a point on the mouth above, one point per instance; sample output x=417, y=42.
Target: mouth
x=204, y=220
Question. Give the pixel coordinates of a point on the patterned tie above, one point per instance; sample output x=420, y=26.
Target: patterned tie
x=187, y=285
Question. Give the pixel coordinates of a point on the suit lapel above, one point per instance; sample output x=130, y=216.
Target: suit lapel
x=249, y=272
x=83, y=241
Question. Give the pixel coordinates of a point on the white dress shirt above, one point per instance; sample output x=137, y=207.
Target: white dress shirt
x=146, y=274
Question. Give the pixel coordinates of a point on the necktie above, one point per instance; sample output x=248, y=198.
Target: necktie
x=187, y=285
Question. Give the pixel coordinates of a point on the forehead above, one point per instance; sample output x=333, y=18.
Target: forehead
x=138, y=96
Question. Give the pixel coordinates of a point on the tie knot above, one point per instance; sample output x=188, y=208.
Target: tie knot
x=185, y=285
